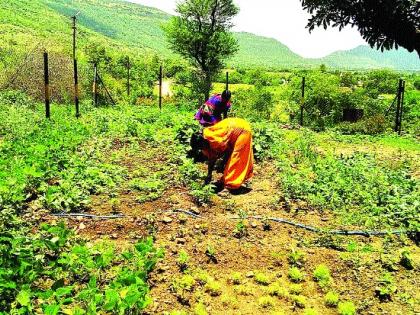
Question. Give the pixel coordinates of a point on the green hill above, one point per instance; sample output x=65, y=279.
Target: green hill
x=125, y=26
x=366, y=57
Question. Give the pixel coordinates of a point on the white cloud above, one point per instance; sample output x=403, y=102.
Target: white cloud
x=285, y=21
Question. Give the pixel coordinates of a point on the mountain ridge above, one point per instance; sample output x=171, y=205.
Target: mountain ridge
x=131, y=26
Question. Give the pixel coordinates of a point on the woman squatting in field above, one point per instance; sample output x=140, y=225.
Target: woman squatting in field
x=232, y=138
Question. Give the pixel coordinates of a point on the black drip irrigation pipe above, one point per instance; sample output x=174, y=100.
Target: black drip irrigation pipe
x=187, y=212
x=89, y=216
x=318, y=230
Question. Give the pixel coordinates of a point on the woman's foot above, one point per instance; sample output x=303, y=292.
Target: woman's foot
x=218, y=187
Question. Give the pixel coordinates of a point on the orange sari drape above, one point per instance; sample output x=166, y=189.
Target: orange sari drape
x=234, y=136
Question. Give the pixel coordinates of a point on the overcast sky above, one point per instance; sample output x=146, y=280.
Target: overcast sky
x=284, y=20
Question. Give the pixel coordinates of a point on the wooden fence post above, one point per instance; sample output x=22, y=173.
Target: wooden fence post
x=160, y=86
x=398, y=111
x=47, y=86
x=95, y=85
x=400, y=104
x=302, y=101
x=76, y=88
x=227, y=81
x=128, y=76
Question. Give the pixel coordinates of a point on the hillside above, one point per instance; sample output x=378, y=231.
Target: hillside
x=366, y=57
x=135, y=28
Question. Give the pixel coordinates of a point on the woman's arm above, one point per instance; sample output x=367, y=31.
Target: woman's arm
x=211, y=164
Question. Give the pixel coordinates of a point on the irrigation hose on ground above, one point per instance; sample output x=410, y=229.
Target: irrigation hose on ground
x=89, y=216
x=260, y=218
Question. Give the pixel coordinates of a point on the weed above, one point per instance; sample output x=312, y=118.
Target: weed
x=275, y=289
x=213, y=288
x=244, y=290
x=310, y=311
x=295, y=274
x=266, y=302
x=386, y=287
x=296, y=258
x=261, y=278
x=406, y=260
x=200, y=309
x=322, y=275
x=202, y=277
x=236, y=278
x=296, y=288
x=346, y=308
x=298, y=300
x=180, y=285
x=211, y=253
x=183, y=260
x=331, y=299
x=229, y=301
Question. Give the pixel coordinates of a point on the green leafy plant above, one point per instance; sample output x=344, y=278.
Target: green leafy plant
x=295, y=274
x=346, y=308
x=322, y=275
x=261, y=278
x=183, y=260
x=386, y=287
x=331, y=299
x=296, y=258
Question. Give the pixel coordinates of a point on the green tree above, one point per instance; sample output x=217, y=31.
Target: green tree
x=201, y=34
x=384, y=23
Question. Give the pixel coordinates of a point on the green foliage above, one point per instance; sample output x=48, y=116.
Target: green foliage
x=262, y=278
x=59, y=272
x=322, y=275
x=296, y=258
x=299, y=300
x=266, y=302
x=236, y=278
x=332, y=299
x=346, y=308
x=371, y=19
x=213, y=288
x=381, y=82
x=206, y=25
x=183, y=260
x=295, y=274
x=361, y=188
x=406, y=259
x=386, y=287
